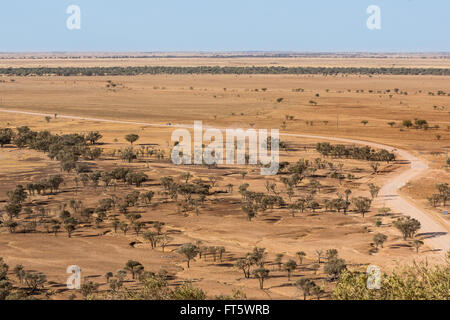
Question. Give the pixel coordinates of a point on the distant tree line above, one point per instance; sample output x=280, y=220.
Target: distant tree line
x=116, y=71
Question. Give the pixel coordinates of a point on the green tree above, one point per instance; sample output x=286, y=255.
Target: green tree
x=407, y=123
x=128, y=154
x=261, y=274
x=408, y=226
x=319, y=254
x=34, y=281
x=108, y=276
x=93, y=137
x=18, y=195
x=374, y=190
x=417, y=244
x=334, y=267
x=290, y=266
x=19, y=271
x=5, y=284
x=11, y=225
x=6, y=136
x=250, y=209
x=301, y=255
x=244, y=264
x=278, y=260
x=379, y=239
x=164, y=240
x=152, y=237
x=190, y=251
x=124, y=227
x=131, y=138
x=13, y=209
x=134, y=267
x=70, y=225
x=137, y=227
x=305, y=285
x=362, y=204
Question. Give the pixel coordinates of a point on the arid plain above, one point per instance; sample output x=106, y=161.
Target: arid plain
x=369, y=108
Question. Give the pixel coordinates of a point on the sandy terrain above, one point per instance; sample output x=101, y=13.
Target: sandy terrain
x=145, y=104
x=435, y=228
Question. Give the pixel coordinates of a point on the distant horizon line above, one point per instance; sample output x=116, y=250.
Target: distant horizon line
x=231, y=54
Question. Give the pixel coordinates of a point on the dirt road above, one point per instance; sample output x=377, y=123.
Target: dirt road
x=435, y=230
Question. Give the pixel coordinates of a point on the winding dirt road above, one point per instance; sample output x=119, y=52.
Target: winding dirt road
x=435, y=230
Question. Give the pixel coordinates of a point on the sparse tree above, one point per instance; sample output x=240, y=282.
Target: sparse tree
x=134, y=267
x=417, y=244
x=152, y=237
x=319, y=254
x=379, y=239
x=19, y=271
x=164, y=240
x=290, y=266
x=305, y=285
x=301, y=255
x=34, y=281
x=261, y=274
x=131, y=138
x=317, y=291
x=408, y=226
x=334, y=267
x=108, y=276
x=373, y=190
x=190, y=251
x=362, y=204
x=279, y=260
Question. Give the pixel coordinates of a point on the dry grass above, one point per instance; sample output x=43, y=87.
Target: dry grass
x=183, y=99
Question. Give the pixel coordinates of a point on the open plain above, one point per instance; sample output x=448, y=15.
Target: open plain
x=373, y=109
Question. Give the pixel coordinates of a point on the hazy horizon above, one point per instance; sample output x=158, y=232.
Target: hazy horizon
x=260, y=53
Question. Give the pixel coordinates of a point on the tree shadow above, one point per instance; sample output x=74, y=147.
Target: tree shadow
x=429, y=235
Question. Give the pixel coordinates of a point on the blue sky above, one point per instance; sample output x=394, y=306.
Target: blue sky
x=225, y=25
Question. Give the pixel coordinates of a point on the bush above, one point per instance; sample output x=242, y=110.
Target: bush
x=415, y=282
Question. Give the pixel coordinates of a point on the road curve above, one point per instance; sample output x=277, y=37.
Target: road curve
x=435, y=232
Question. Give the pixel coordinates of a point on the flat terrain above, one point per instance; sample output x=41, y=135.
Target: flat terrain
x=224, y=59
x=332, y=106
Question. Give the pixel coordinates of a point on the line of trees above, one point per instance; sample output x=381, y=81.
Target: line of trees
x=116, y=71
x=352, y=152
x=254, y=264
